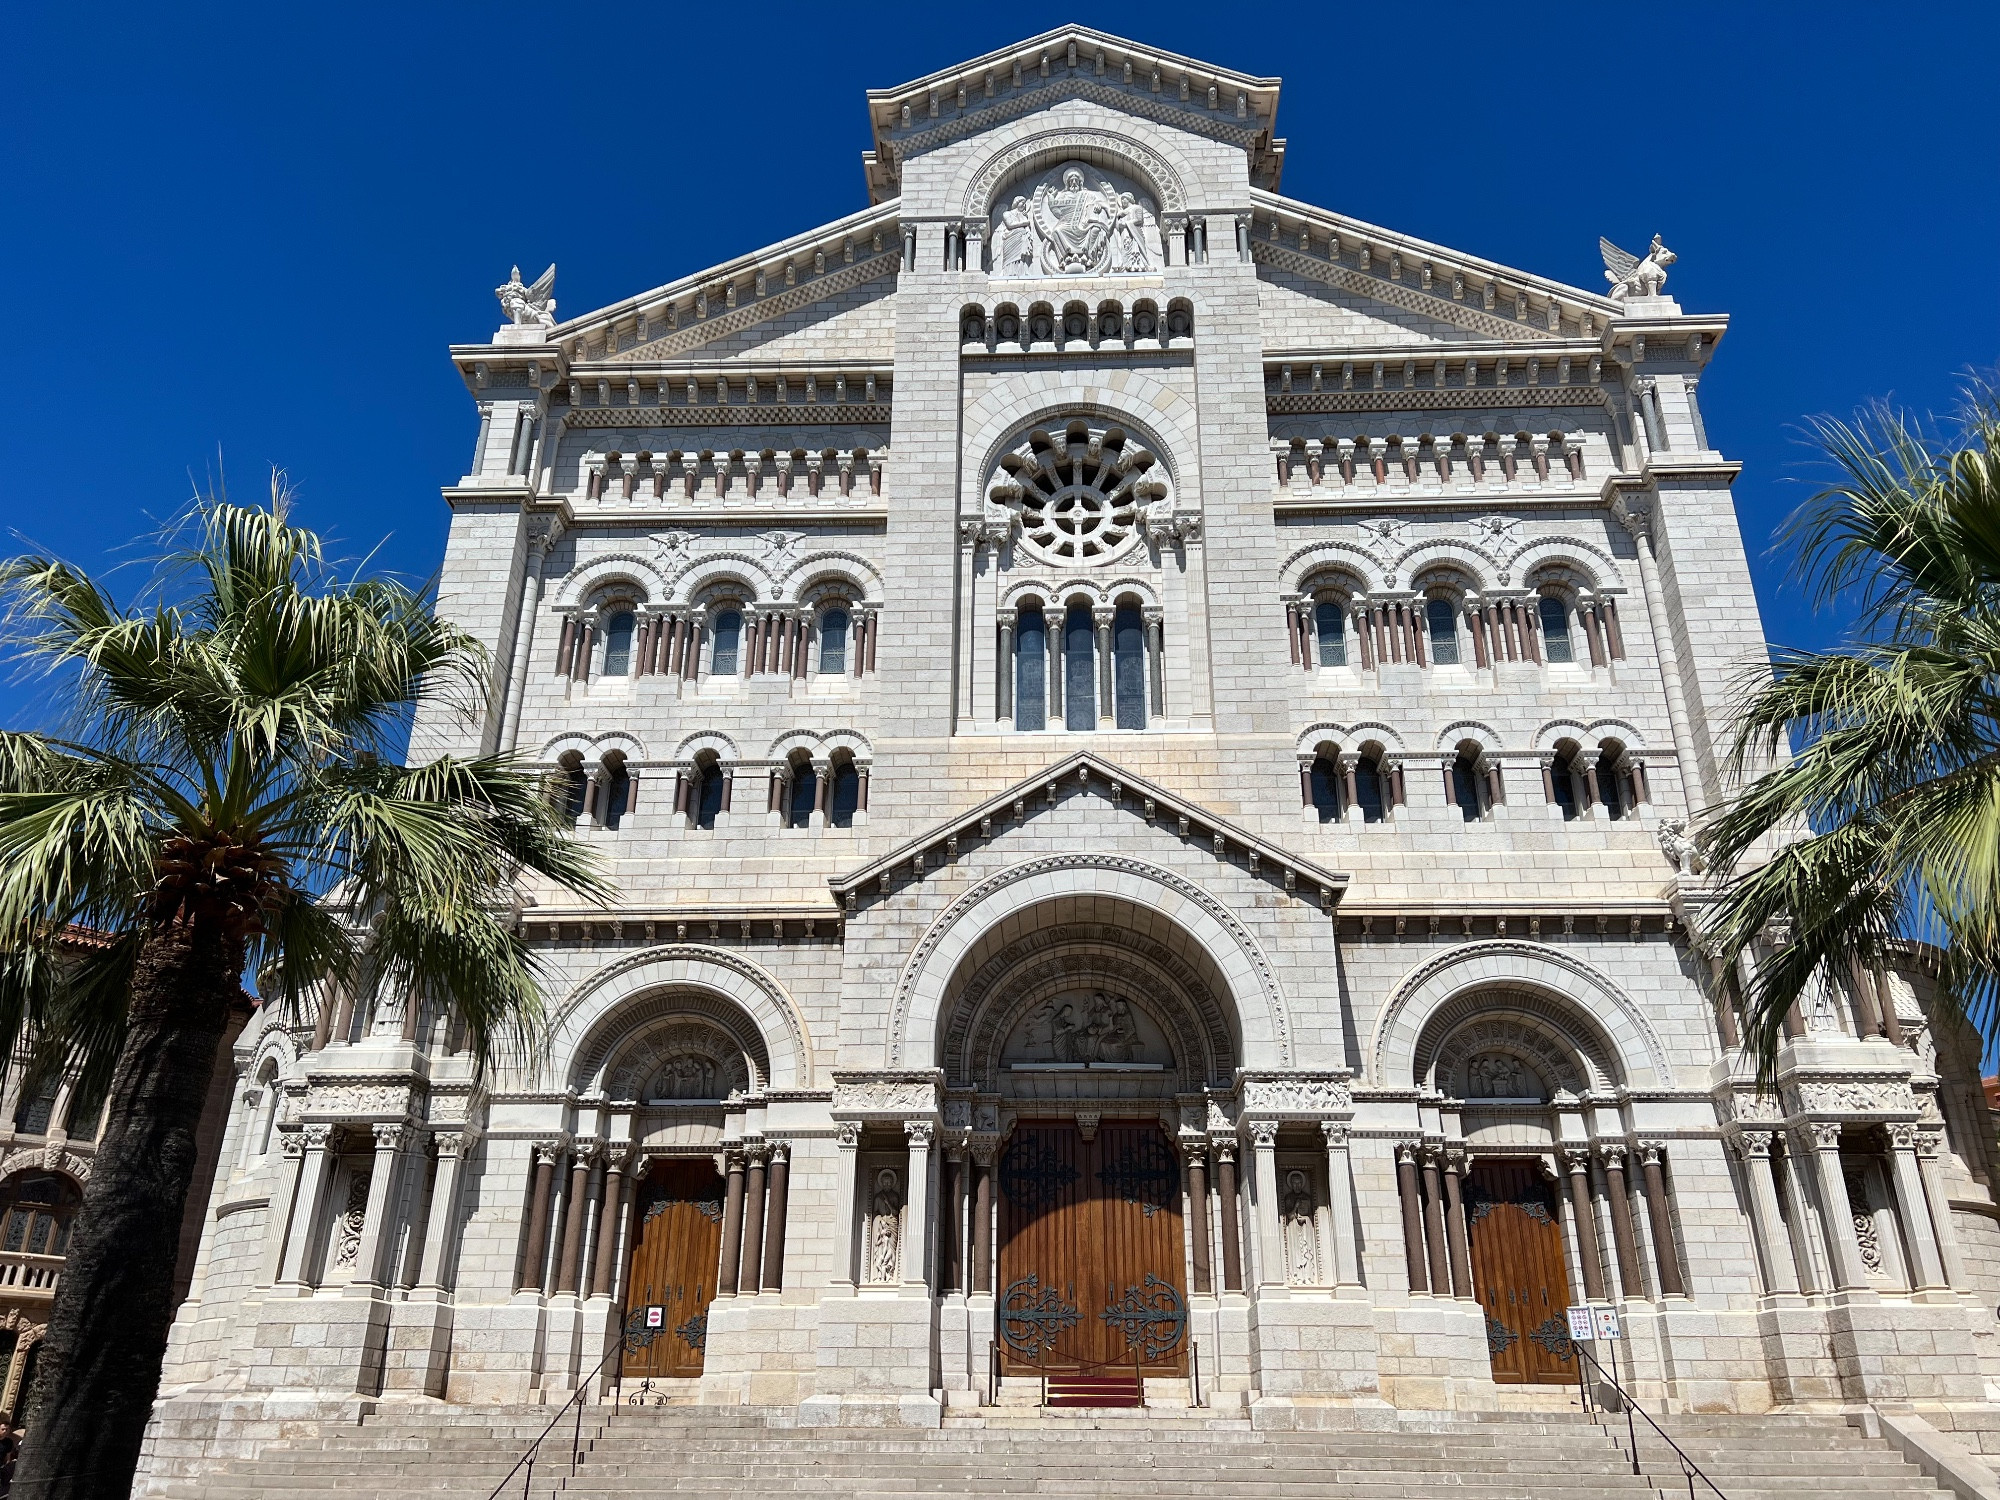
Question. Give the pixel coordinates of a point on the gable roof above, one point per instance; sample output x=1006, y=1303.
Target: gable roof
x=1087, y=772
x=974, y=96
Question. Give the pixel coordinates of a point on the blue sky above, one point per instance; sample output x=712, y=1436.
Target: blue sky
x=252, y=231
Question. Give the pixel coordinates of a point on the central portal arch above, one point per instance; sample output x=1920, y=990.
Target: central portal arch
x=1090, y=1021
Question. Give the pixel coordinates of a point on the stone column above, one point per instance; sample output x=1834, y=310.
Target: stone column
x=732, y=1226
x=1270, y=1228
x=371, y=1256
x=1578, y=1161
x=1622, y=1238
x=610, y=1210
x=774, y=1216
x=307, y=1202
x=1918, y=1227
x=539, y=538
x=748, y=1279
x=1156, y=659
x=443, y=1225
x=982, y=1220
x=1413, y=1215
x=1003, y=674
x=1102, y=617
x=1454, y=1224
x=1340, y=1199
x=1200, y=1276
x=845, y=1209
x=1652, y=1161
x=1836, y=1212
x=1774, y=1246
x=1927, y=1159
x=1232, y=1239
x=917, y=1204
x=546, y=1153
x=951, y=1223
x=1439, y=1268
x=576, y=1208
x=1694, y=780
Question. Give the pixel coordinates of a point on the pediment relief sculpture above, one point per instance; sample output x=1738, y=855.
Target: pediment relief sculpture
x=1075, y=220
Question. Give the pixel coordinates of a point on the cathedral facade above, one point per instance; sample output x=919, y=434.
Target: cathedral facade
x=1145, y=733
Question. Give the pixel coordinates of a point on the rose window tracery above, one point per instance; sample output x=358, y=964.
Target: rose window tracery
x=1080, y=492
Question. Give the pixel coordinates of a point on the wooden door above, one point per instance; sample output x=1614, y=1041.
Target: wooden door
x=676, y=1246
x=1519, y=1272
x=1092, y=1263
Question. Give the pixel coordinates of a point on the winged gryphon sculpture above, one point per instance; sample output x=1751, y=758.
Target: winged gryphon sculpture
x=1634, y=275
x=529, y=305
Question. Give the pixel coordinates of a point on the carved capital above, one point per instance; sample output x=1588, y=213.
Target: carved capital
x=921, y=1133
x=1652, y=1153
x=1613, y=1153
x=292, y=1143
x=317, y=1137
x=1928, y=1141
x=1264, y=1134
x=449, y=1145
x=1407, y=1153
x=1576, y=1159
x=1824, y=1135
x=1335, y=1132
x=1753, y=1145
x=848, y=1135
x=616, y=1155
x=547, y=1153
x=1901, y=1137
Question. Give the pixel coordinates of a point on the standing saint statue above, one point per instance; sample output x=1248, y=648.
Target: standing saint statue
x=885, y=1228
x=1301, y=1232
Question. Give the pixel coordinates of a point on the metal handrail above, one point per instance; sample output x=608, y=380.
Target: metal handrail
x=579, y=1401
x=1690, y=1470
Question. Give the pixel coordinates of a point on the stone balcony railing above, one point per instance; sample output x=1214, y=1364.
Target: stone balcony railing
x=29, y=1276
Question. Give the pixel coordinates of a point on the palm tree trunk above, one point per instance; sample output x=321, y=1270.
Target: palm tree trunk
x=107, y=1338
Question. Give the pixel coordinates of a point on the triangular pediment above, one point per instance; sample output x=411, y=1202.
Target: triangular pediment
x=1072, y=62
x=799, y=282
x=1087, y=773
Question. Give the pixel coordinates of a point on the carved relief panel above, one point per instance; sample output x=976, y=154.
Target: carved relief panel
x=1075, y=220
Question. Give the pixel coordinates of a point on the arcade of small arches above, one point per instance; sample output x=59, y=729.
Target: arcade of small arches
x=811, y=781
x=1076, y=326
x=1358, y=776
x=824, y=637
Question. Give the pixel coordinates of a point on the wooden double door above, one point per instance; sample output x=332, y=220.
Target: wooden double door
x=1092, y=1260
x=676, y=1247
x=1519, y=1272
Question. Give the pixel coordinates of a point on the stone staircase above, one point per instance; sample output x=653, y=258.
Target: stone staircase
x=463, y=1453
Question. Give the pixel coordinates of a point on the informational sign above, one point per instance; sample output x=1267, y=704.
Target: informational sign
x=656, y=1317
x=1607, y=1323
x=1580, y=1325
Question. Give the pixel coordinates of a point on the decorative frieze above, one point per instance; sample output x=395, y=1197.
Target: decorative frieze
x=1295, y=1095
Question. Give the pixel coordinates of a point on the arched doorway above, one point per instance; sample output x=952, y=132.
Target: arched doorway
x=1083, y=1022
x=676, y=1244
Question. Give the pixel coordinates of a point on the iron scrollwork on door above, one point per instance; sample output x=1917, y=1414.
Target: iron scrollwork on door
x=637, y=1335
x=1499, y=1337
x=1153, y=1318
x=1142, y=1173
x=1033, y=1316
x=1033, y=1175
x=1553, y=1335
x=694, y=1332
x=1478, y=1204
x=709, y=1208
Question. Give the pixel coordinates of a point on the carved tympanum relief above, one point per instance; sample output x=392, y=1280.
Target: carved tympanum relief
x=1075, y=220
x=1501, y=1075
x=1088, y=1027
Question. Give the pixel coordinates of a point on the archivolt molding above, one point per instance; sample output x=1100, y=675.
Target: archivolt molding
x=826, y=741
x=707, y=739
x=1556, y=730
x=1367, y=730
x=1505, y=967
x=1617, y=729
x=49, y=1158
x=1455, y=734
x=594, y=746
x=1329, y=556
x=1591, y=559
x=1106, y=148
x=642, y=573
x=1065, y=401
x=927, y=974
x=818, y=570
x=687, y=966
x=713, y=569
x=1314, y=735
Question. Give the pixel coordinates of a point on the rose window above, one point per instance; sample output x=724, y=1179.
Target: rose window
x=1080, y=492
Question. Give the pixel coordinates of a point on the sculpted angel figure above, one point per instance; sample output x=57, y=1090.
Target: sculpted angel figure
x=1128, y=233
x=526, y=305
x=1634, y=275
x=1014, y=242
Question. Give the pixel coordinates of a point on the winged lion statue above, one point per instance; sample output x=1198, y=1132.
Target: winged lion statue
x=1634, y=275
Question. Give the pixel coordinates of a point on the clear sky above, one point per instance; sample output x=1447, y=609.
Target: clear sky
x=251, y=231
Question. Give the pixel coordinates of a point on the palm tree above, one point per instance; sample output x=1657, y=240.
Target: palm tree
x=1883, y=820
x=227, y=800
